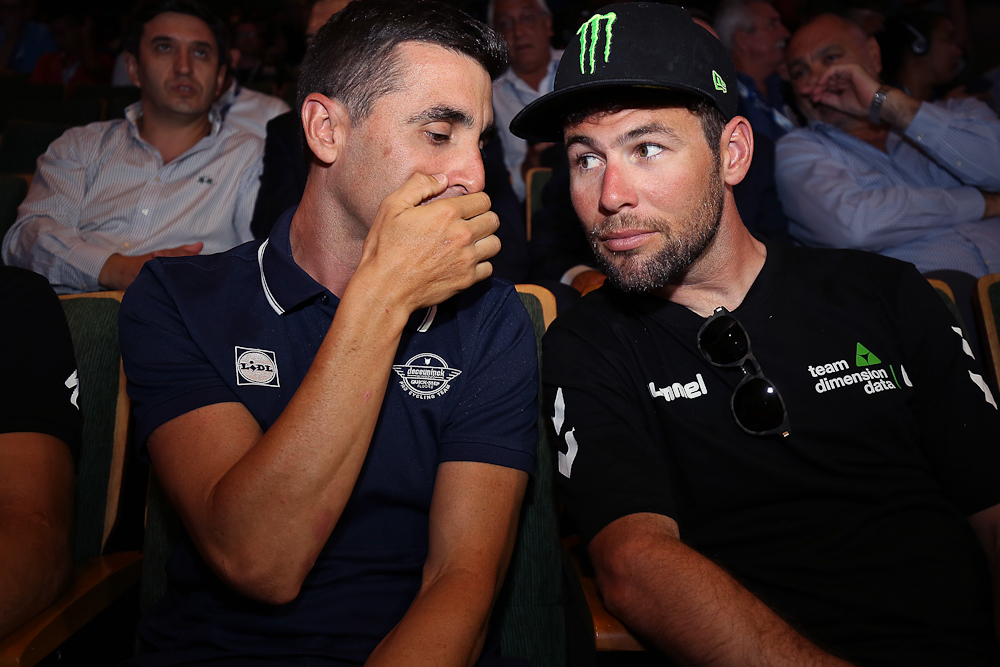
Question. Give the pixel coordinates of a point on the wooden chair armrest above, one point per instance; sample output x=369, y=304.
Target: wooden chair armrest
x=609, y=633
x=95, y=585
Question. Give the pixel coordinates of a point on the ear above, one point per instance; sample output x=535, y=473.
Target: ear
x=234, y=57
x=874, y=54
x=325, y=123
x=132, y=68
x=220, y=79
x=737, y=150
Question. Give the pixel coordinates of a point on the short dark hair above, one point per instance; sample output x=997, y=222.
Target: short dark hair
x=354, y=58
x=711, y=119
x=147, y=11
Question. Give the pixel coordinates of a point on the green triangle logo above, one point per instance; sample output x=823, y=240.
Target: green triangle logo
x=866, y=358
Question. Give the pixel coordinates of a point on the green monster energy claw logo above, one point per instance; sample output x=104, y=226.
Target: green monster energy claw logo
x=720, y=84
x=592, y=29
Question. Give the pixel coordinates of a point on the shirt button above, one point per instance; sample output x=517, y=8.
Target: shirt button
x=324, y=299
x=157, y=179
x=958, y=164
x=920, y=137
x=145, y=211
x=126, y=245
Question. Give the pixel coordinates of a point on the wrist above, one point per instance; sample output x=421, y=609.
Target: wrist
x=878, y=101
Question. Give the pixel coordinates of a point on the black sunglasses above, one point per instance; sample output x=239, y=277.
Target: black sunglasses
x=756, y=404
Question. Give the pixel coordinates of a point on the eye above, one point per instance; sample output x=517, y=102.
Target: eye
x=437, y=137
x=201, y=53
x=588, y=161
x=830, y=58
x=648, y=150
x=162, y=47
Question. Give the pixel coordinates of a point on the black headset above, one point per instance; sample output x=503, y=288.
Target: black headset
x=920, y=45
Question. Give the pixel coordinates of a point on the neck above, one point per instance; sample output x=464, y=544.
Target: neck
x=534, y=77
x=875, y=135
x=323, y=244
x=724, y=273
x=172, y=135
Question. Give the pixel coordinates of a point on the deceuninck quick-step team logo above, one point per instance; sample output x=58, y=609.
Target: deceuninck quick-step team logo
x=256, y=367
x=426, y=376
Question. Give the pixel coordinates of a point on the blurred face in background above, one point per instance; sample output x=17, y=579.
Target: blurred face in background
x=527, y=29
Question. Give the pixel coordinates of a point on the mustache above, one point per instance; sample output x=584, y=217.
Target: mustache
x=626, y=220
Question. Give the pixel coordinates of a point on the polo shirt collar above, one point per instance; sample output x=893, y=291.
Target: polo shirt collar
x=286, y=285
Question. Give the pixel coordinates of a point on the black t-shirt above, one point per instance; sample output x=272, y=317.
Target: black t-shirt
x=853, y=527
x=42, y=390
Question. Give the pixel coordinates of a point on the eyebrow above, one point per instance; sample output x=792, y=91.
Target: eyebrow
x=442, y=113
x=630, y=136
x=167, y=38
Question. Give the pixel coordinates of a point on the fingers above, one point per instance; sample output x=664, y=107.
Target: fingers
x=414, y=191
x=179, y=251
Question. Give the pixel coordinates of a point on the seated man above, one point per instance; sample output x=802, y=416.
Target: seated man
x=168, y=179
x=526, y=25
x=39, y=436
x=880, y=170
x=812, y=499
x=351, y=479
x=756, y=39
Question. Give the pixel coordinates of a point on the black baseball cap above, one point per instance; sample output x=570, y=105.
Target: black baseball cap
x=628, y=46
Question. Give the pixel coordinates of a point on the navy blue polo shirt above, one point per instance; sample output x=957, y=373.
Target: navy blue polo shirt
x=244, y=326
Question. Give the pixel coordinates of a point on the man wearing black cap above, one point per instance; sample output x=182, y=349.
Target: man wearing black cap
x=823, y=496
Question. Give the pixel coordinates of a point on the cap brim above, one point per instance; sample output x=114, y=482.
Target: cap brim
x=543, y=119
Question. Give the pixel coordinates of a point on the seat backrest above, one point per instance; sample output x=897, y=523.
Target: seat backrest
x=535, y=181
x=104, y=407
x=987, y=298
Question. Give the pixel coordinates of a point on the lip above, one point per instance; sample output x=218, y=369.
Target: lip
x=627, y=239
x=186, y=89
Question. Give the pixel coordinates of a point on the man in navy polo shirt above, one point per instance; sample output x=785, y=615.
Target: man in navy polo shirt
x=343, y=414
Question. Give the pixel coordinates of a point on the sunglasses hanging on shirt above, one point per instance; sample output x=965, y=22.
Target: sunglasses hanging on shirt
x=756, y=404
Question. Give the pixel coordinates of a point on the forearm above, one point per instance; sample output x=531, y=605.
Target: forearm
x=695, y=612
x=444, y=627
x=35, y=567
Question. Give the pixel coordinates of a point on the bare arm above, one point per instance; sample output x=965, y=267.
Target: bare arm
x=260, y=506
x=986, y=525
x=473, y=523
x=686, y=605
x=36, y=507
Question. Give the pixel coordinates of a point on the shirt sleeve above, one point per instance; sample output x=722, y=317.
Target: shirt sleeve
x=833, y=204
x=609, y=463
x=963, y=137
x=246, y=197
x=955, y=409
x=46, y=237
x=40, y=354
x=168, y=373
x=496, y=419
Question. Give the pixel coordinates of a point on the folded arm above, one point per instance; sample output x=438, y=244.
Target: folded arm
x=687, y=606
x=833, y=204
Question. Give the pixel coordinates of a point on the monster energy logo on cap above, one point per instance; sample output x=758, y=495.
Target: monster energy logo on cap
x=592, y=28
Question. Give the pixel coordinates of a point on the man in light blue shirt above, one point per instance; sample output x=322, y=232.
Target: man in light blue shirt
x=879, y=170
x=527, y=27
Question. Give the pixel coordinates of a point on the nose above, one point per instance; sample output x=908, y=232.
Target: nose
x=182, y=62
x=617, y=193
x=468, y=171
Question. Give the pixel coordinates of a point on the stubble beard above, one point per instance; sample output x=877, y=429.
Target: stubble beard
x=634, y=272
